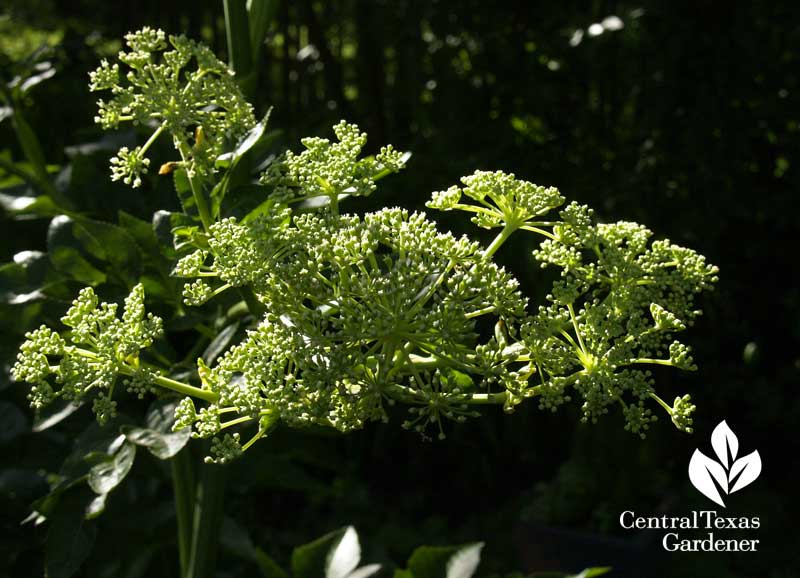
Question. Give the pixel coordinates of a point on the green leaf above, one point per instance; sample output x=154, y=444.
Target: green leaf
x=107, y=475
x=587, y=573
x=220, y=343
x=54, y=414
x=162, y=229
x=167, y=225
x=158, y=437
x=32, y=149
x=434, y=561
x=183, y=188
x=335, y=555
x=14, y=286
x=236, y=539
x=27, y=206
x=161, y=415
x=239, y=163
x=30, y=144
x=311, y=560
x=28, y=278
x=94, y=445
x=238, y=542
x=345, y=556
x=268, y=567
x=162, y=446
x=261, y=14
x=253, y=137
x=249, y=201
x=237, y=30
x=463, y=563
x=314, y=203
x=70, y=538
x=592, y=572
x=141, y=231
x=96, y=507
x=365, y=571
x=259, y=210
x=66, y=255
x=459, y=379
x=43, y=71
x=112, y=244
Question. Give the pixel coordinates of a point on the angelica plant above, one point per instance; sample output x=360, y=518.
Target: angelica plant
x=353, y=314
x=180, y=88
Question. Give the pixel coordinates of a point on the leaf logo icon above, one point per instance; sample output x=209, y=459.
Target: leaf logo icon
x=717, y=478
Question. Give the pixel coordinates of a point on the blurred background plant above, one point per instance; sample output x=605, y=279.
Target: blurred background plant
x=683, y=117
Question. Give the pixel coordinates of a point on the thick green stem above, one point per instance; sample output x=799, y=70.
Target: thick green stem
x=178, y=386
x=233, y=422
x=501, y=238
x=482, y=398
x=647, y=360
x=160, y=380
x=425, y=362
x=662, y=403
x=539, y=231
x=575, y=326
x=403, y=393
x=334, y=205
x=207, y=522
x=197, y=188
x=475, y=209
x=153, y=137
x=479, y=312
x=184, y=488
x=240, y=52
x=189, y=390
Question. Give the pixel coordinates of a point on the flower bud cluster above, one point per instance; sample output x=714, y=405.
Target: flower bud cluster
x=88, y=361
x=351, y=301
x=327, y=169
x=181, y=87
x=364, y=312
x=501, y=199
x=614, y=309
x=682, y=410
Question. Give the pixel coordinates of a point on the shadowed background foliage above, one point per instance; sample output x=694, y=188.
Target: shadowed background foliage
x=683, y=116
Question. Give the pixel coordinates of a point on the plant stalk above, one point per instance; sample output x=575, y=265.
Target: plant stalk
x=240, y=52
x=207, y=522
x=32, y=149
x=183, y=485
x=501, y=238
x=196, y=187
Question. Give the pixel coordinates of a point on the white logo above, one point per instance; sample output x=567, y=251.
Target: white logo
x=729, y=473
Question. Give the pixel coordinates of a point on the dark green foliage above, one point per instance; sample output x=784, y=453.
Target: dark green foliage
x=685, y=120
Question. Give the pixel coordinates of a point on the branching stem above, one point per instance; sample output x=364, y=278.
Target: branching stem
x=501, y=238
